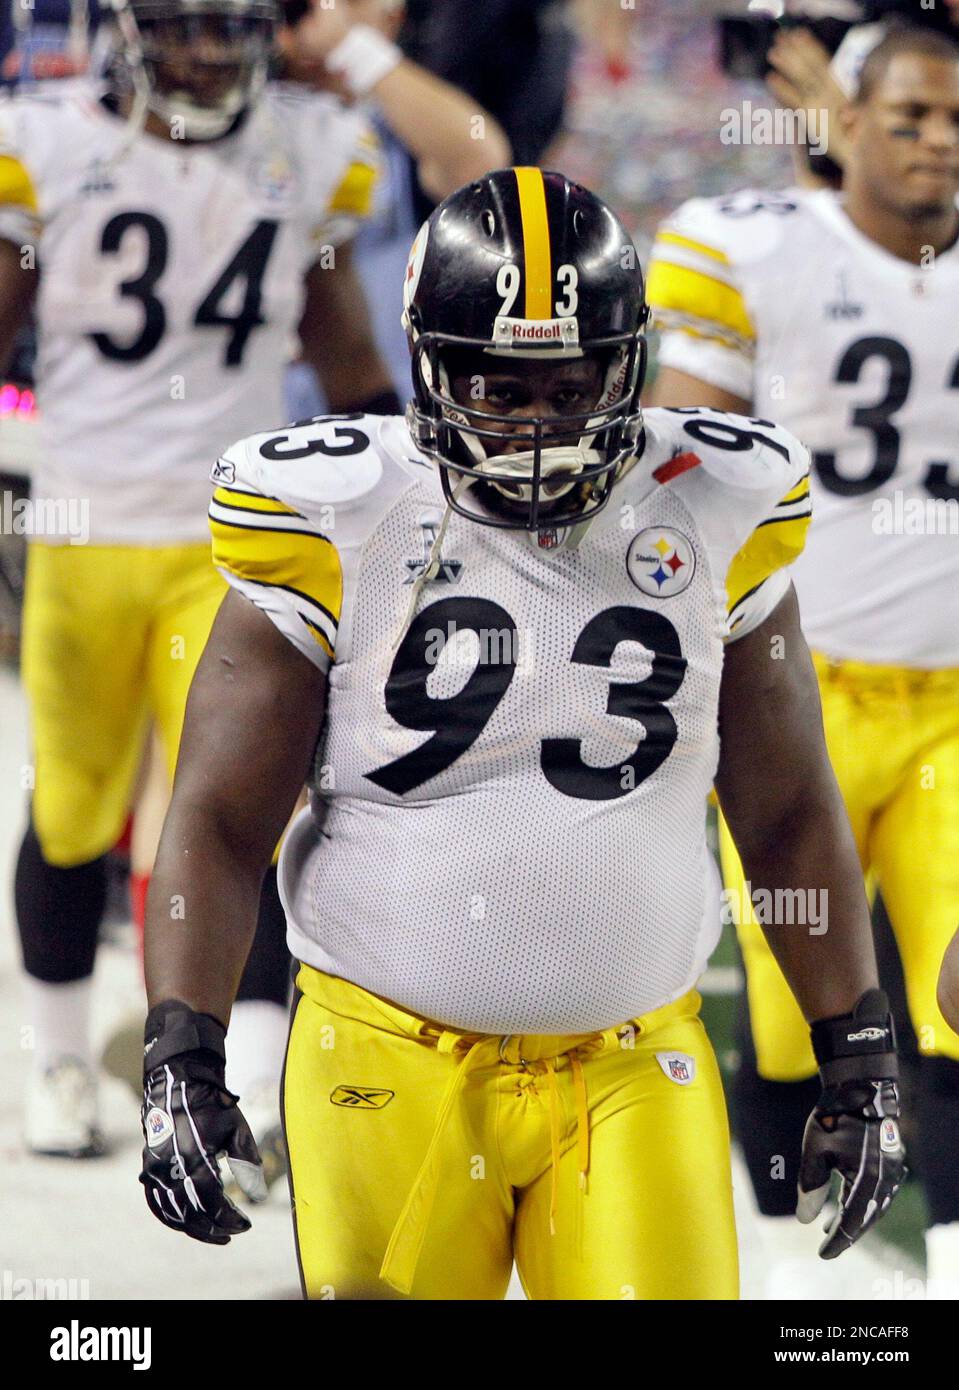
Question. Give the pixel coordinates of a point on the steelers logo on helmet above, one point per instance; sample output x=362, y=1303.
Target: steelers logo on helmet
x=661, y=561
x=521, y=277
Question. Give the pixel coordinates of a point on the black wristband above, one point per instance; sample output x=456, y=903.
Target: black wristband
x=172, y=1028
x=383, y=403
x=859, y=1045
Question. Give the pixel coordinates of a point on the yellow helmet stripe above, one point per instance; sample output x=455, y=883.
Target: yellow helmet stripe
x=538, y=255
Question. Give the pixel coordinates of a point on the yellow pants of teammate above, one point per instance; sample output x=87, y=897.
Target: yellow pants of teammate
x=425, y=1160
x=111, y=639
x=893, y=739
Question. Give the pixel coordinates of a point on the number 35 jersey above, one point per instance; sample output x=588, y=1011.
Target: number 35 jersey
x=507, y=825
x=171, y=287
x=780, y=299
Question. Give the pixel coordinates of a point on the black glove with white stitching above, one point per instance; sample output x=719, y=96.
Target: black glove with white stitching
x=189, y=1119
x=854, y=1128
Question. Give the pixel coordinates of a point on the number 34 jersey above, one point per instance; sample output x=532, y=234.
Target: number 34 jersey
x=780, y=299
x=507, y=830
x=171, y=287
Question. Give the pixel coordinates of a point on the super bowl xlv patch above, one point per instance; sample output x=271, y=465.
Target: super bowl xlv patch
x=661, y=561
x=449, y=570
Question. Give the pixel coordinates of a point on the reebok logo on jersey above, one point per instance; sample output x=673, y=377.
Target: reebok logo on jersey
x=223, y=472
x=678, y=1066
x=661, y=562
x=361, y=1097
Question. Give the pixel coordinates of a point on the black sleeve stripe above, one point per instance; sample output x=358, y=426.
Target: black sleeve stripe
x=748, y=594
x=275, y=530
x=255, y=511
x=315, y=627
x=297, y=593
x=785, y=520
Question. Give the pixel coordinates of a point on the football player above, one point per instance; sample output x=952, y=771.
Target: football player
x=836, y=317
x=186, y=219
x=502, y=641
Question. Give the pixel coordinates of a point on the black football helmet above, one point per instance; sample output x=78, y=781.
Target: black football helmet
x=526, y=264
x=201, y=62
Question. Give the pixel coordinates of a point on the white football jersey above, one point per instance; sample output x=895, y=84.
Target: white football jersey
x=507, y=831
x=778, y=298
x=171, y=287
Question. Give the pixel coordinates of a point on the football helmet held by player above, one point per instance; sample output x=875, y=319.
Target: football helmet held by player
x=199, y=62
x=525, y=266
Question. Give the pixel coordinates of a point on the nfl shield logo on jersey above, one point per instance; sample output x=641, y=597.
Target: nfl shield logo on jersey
x=678, y=1066
x=661, y=561
x=550, y=537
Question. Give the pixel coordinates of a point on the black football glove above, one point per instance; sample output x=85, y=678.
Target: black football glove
x=854, y=1128
x=189, y=1118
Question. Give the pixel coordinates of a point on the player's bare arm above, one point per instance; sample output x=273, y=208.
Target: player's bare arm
x=17, y=288
x=674, y=388
x=780, y=798
x=350, y=48
x=336, y=336
x=243, y=761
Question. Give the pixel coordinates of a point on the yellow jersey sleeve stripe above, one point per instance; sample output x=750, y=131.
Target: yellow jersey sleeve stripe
x=693, y=292
x=675, y=239
x=304, y=564
x=353, y=195
x=251, y=502
x=773, y=544
x=16, y=185
x=536, y=247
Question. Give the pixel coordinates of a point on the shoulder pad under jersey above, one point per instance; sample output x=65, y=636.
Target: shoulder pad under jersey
x=331, y=460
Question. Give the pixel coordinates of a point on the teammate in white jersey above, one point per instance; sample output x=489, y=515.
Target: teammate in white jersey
x=501, y=641
x=836, y=316
x=187, y=222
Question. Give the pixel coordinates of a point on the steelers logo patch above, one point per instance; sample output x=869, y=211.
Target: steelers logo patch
x=661, y=562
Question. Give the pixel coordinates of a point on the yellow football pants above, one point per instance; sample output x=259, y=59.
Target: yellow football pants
x=424, y=1160
x=111, y=639
x=893, y=739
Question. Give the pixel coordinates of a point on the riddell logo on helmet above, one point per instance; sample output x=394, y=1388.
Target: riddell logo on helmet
x=563, y=332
